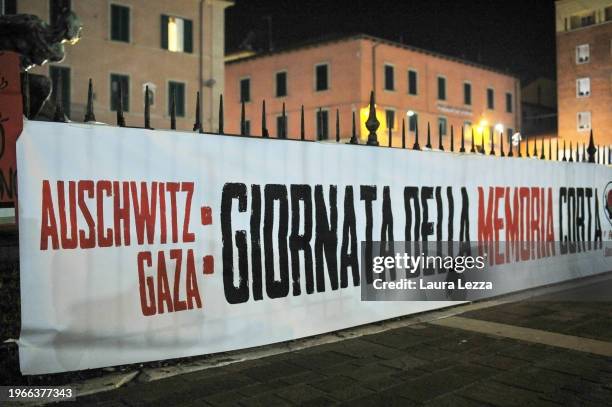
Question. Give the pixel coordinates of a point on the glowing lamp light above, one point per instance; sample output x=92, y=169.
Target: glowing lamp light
x=499, y=128
x=410, y=113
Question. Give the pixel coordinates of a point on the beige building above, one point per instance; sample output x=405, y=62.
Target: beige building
x=584, y=69
x=171, y=46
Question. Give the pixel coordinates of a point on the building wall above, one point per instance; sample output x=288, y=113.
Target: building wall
x=350, y=85
x=598, y=69
x=96, y=56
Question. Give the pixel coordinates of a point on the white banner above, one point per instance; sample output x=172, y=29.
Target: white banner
x=140, y=245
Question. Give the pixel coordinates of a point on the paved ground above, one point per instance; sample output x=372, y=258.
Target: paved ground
x=425, y=364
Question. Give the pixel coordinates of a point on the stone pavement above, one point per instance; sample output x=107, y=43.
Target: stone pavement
x=424, y=364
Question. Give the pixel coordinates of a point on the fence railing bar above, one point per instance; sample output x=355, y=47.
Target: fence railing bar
x=337, y=125
x=462, y=148
x=482, y=145
x=571, y=155
x=519, y=153
x=282, y=132
x=501, y=144
x=549, y=149
x=221, y=115
x=302, y=127
x=473, y=149
x=440, y=145
x=492, y=150
x=147, y=109
x=452, y=141
x=416, y=145
x=120, y=117
x=197, y=124
x=354, y=139
x=390, y=135
x=403, y=133
x=264, y=127
x=542, y=155
x=242, y=119
x=173, y=111
x=89, y=110
x=428, y=145
x=372, y=123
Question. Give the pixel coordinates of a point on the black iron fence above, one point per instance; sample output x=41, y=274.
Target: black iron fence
x=527, y=148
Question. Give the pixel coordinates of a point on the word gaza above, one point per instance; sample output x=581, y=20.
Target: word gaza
x=97, y=202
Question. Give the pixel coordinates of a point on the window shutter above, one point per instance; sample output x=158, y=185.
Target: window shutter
x=114, y=23
x=164, y=31
x=188, y=36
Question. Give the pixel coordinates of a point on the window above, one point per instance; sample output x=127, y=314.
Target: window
x=56, y=7
x=281, y=126
x=508, y=102
x=412, y=82
x=60, y=79
x=245, y=90
x=582, y=20
x=510, y=133
x=281, y=84
x=442, y=124
x=178, y=90
x=8, y=7
x=582, y=54
x=608, y=13
x=583, y=87
x=120, y=23
x=490, y=99
x=123, y=82
x=247, y=127
x=389, y=78
x=467, y=93
x=390, y=118
x=441, y=88
x=466, y=126
x=322, y=125
x=176, y=34
x=413, y=120
x=321, y=77
x=584, y=121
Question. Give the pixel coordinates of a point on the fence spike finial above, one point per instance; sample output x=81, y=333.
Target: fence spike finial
x=519, y=154
x=452, y=142
x=242, y=118
x=416, y=145
x=403, y=133
x=320, y=124
x=302, y=128
x=390, y=135
x=221, y=118
x=542, y=156
x=591, y=149
x=549, y=150
x=372, y=123
x=59, y=115
x=564, y=157
x=473, y=149
x=173, y=111
x=577, y=152
x=337, y=125
x=283, y=130
x=510, y=146
x=501, y=144
x=197, y=124
x=440, y=145
x=571, y=158
x=492, y=150
x=354, y=132
x=147, y=109
x=535, y=148
x=584, y=156
x=482, y=145
x=557, y=148
x=89, y=111
x=264, y=128
x=120, y=118
x=462, y=148
x=428, y=145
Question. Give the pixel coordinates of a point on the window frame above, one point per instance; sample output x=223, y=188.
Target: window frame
x=410, y=121
x=394, y=113
x=588, y=47
x=578, y=121
x=416, y=82
x=509, y=106
x=240, y=89
x=445, y=119
x=183, y=51
x=276, y=83
x=438, y=77
x=152, y=90
x=279, y=117
x=326, y=111
x=490, y=106
x=110, y=88
x=175, y=81
x=328, y=71
x=110, y=22
x=468, y=83
x=393, y=87
x=578, y=81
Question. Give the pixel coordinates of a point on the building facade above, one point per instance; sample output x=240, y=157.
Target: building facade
x=539, y=108
x=174, y=48
x=584, y=69
x=419, y=86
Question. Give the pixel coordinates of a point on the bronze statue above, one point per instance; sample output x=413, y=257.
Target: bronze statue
x=37, y=43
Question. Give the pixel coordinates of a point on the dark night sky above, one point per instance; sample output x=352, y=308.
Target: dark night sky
x=518, y=36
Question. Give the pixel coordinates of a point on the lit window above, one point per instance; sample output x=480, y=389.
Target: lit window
x=389, y=78
x=583, y=87
x=176, y=34
x=390, y=118
x=584, y=121
x=582, y=54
